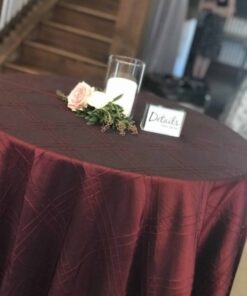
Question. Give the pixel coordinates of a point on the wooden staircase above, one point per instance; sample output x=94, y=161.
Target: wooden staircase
x=73, y=39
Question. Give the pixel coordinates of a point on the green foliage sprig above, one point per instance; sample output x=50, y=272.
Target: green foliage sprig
x=111, y=116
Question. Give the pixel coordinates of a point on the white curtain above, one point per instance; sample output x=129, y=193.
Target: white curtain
x=162, y=35
x=235, y=115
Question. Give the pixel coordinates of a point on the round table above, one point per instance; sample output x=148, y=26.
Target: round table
x=89, y=213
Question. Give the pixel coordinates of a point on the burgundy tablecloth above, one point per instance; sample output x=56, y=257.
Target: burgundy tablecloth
x=86, y=213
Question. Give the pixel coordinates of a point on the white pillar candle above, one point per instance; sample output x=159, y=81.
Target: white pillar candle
x=122, y=86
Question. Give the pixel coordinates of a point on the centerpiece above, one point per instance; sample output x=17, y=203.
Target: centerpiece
x=111, y=109
x=98, y=109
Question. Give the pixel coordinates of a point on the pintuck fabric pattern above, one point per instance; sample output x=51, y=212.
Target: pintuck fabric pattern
x=86, y=213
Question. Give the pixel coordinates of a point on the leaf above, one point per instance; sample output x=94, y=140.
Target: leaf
x=117, y=98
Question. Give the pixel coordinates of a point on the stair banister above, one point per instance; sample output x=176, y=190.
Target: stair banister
x=10, y=9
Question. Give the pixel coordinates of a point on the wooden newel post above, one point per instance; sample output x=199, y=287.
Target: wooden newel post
x=131, y=19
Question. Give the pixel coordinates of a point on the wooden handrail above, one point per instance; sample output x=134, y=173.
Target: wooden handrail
x=24, y=28
x=10, y=15
x=10, y=9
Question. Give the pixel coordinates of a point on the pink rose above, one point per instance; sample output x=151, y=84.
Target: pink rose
x=78, y=97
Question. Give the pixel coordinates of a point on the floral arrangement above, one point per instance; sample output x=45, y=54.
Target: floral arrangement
x=96, y=108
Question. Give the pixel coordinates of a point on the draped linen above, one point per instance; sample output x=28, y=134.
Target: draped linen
x=86, y=213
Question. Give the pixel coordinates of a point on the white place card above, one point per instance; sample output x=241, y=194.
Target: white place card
x=161, y=120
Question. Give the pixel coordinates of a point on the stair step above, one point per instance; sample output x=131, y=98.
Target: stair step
x=59, y=61
x=80, y=32
x=83, y=18
x=12, y=67
x=64, y=53
x=107, y=6
x=74, y=40
x=86, y=10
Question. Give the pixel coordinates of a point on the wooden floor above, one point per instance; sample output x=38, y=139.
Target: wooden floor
x=240, y=282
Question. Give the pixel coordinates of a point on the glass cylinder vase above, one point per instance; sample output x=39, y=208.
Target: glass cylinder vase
x=124, y=77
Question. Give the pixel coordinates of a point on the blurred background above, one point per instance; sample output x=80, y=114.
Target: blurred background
x=194, y=29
